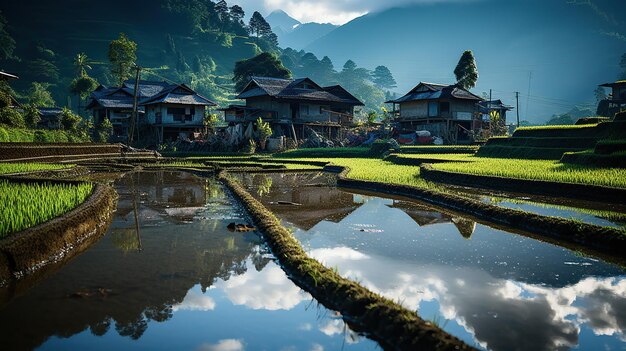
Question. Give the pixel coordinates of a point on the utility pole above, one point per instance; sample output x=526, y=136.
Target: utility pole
x=517, y=106
x=133, y=118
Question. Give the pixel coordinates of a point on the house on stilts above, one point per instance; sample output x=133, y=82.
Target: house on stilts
x=165, y=111
x=293, y=105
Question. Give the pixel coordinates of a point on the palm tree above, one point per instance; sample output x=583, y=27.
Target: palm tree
x=81, y=62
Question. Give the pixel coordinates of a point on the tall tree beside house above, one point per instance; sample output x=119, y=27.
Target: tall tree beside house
x=7, y=43
x=40, y=96
x=83, y=84
x=122, y=56
x=81, y=63
x=466, y=71
x=264, y=65
x=383, y=78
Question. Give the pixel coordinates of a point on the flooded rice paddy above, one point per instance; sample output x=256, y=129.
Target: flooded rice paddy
x=169, y=275
x=493, y=289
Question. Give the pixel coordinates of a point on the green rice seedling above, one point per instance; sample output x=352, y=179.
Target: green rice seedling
x=9, y=168
x=548, y=170
x=24, y=205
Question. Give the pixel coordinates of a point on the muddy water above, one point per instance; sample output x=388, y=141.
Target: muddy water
x=169, y=275
x=493, y=289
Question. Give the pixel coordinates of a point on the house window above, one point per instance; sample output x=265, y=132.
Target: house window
x=444, y=107
x=175, y=111
x=433, y=109
x=304, y=110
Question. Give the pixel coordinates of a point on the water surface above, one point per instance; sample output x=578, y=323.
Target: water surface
x=493, y=289
x=180, y=282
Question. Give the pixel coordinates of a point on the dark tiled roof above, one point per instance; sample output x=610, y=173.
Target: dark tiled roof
x=50, y=111
x=433, y=91
x=288, y=89
x=4, y=75
x=484, y=106
x=618, y=83
x=148, y=92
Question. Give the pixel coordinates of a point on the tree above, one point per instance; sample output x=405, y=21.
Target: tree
x=11, y=117
x=261, y=29
x=40, y=96
x=83, y=86
x=383, y=78
x=122, y=56
x=69, y=120
x=7, y=43
x=237, y=14
x=31, y=115
x=600, y=94
x=81, y=63
x=105, y=130
x=264, y=64
x=221, y=8
x=466, y=71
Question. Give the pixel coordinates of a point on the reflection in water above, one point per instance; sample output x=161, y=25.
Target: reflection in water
x=497, y=291
x=194, y=284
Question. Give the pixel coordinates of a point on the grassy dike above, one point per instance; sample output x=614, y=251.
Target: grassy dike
x=33, y=249
x=384, y=320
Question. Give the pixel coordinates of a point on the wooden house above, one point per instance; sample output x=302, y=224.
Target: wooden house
x=167, y=111
x=50, y=117
x=616, y=101
x=291, y=105
x=446, y=111
x=488, y=108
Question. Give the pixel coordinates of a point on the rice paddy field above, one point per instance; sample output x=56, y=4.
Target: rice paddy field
x=548, y=170
x=24, y=205
x=9, y=168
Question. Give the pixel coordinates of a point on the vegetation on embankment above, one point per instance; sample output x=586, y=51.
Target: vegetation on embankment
x=387, y=322
x=55, y=151
x=439, y=149
x=30, y=250
x=363, y=152
x=24, y=205
x=23, y=135
x=10, y=168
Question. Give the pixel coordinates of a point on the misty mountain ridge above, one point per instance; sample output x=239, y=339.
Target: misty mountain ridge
x=558, y=51
x=294, y=34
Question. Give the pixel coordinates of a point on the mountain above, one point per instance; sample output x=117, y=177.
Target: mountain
x=293, y=34
x=281, y=22
x=304, y=34
x=557, y=51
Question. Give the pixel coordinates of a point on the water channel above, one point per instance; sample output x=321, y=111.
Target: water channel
x=493, y=289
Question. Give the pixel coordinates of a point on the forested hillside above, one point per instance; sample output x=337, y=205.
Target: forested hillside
x=191, y=41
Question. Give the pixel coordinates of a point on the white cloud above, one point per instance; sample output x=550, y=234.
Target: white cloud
x=223, y=345
x=327, y=11
x=195, y=301
x=269, y=289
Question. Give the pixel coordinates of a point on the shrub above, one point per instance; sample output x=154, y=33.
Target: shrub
x=11, y=117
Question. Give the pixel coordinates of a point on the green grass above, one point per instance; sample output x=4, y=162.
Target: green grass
x=26, y=205
x=342, y=152
x=8, y=168
x=565, y=126
x=548, y=170
x=439, y=149
x=442, y=157
x=15, y=135
x=378, y=170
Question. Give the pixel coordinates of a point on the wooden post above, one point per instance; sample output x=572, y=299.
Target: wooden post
x=133, y=118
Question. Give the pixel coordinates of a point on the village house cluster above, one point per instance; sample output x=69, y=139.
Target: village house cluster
x=292, y=107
